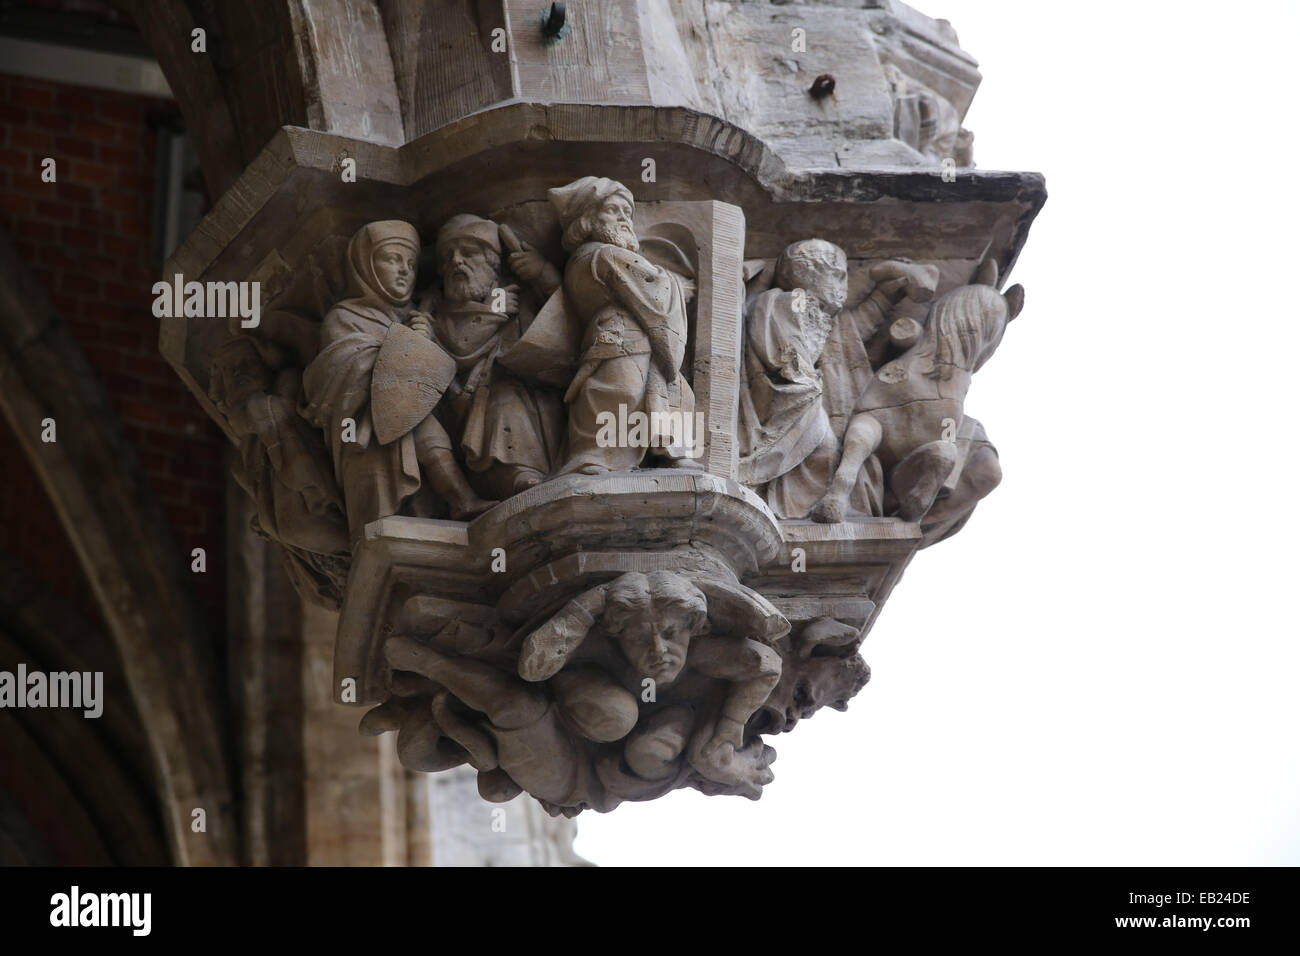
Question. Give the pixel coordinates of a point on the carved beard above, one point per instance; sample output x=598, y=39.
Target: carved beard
x=615, y=236
x=474, y=287
x=817, y=325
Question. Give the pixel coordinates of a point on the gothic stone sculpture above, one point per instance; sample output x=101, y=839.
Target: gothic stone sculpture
x=911, y=414
x=508, y=432
x=633, y=316
x=635, y=687
x=373, y=387
x=791, y=389
x=627, y=649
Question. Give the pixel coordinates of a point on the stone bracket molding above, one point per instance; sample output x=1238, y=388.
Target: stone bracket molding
x=272, y=218
x=585, y=613
x=574, y=532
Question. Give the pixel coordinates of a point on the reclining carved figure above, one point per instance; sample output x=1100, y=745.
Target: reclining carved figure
x=636, y=687
x=663, y=626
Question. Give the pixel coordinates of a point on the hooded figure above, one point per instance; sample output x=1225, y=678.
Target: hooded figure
x=378, y=476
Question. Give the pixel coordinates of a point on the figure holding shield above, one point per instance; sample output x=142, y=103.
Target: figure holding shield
x=373, y=386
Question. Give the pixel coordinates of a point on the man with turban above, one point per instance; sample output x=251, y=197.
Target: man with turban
x=633, y=315
x=509, y=433
x=378, y=460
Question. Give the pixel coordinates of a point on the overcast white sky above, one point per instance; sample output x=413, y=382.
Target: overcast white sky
x=1101, y=668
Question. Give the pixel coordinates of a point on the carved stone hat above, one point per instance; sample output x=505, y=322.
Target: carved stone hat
x=571, y=202
x=466, y=226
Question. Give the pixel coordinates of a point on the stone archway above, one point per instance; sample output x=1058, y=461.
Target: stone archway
x=94, y=483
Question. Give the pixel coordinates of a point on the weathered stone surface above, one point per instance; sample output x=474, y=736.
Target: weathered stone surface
x=392, y=72
x=507, y=312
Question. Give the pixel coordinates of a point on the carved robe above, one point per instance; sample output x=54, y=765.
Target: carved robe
x=855, y=347
x=377, y=480
x=800, y=386
x=782, y=418
x=495, y=417
x=633, y=346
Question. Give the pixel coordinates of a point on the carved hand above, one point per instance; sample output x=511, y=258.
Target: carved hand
x=899, y=278
x=745, y=771
x=422, y=323
x=528, y=263
x=511, y=299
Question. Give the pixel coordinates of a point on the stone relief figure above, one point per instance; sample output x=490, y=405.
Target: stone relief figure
x=910, y=417
x=823, y=669
x=788, y=444
x=283, y=464
x=509, y=432
x=662, y=626
x=926, y=121
x=632, y=315
x=635, y=687
x=520, y=737
x=651, y=681
x=379, y=371
x=978, y=474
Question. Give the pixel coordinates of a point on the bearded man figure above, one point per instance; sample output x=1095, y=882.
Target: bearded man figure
x=509, y=433
x=373, y=411
x=806, y=354
x=633, y=316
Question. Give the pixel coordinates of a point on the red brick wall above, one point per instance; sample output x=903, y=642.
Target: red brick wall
x=87, y=239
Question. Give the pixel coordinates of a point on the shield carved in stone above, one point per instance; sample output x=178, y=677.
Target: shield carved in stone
x=410, y=376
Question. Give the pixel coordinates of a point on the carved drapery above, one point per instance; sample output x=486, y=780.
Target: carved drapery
x=608, y=428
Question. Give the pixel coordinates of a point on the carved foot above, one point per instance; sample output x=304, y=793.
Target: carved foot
x=556, y=810
x=744, y=772
x=830, y=510
x=526, y=478
x=471, y=508
x=384, y=718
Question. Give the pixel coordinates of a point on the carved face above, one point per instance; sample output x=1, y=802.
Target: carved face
x=469, y=271
x=815, y=683
x=826, y=281
x=612, y=223
x=395, y=269
x=248, y=376
x=656, y=642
